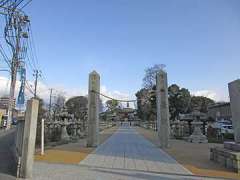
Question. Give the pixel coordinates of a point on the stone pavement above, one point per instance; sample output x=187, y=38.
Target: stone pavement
x=126, y=155
x=126, y=149
x=6, y=157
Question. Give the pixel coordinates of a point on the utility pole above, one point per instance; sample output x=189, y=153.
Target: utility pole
x=15, y=33
x=11, y=103
x=50, y=102
x=14, y=67
x=36, y=74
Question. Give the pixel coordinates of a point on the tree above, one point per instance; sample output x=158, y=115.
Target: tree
x=59, y=103
x=149, y=80
x=112, y=105
x=200, y=103
x=41, y=115
x=77, y=106
x=144, y=109
x=179, y=100
x=101, y=107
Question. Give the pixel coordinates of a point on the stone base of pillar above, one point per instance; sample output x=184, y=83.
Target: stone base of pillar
x=232, y=146
x=198, y=139
x=225, y=157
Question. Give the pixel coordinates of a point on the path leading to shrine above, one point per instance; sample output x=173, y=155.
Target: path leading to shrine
x=125, y=155
x=127, y=149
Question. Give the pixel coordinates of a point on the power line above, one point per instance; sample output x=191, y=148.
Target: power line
x=29, y=88
x=5, y=58
x=30, y=53
x=25, y=4
x=32, y=43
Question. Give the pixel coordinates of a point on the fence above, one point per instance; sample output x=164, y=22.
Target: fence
x=148, y=125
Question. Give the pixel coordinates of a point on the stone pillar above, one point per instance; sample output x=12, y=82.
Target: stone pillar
x=163, y=109
x=93, y=109
x=234, y=93
x=29, y=138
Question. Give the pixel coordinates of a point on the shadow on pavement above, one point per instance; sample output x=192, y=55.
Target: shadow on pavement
x=7, y=162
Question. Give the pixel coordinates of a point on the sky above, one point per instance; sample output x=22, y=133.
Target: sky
x=198, y=41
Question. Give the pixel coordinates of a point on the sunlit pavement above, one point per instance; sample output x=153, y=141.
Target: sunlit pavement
x=125, y=155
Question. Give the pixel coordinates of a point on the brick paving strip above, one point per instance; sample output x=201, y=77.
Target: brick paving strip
x=125, y=155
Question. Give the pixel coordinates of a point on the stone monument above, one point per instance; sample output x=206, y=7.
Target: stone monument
x=163, y=123
x=29, y=139
x=93, y=109
x=229, y=156
x=234, y=93
x=197, y=135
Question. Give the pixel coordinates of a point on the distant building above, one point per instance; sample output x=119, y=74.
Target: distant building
x=3, y=111
x=4, y=101
x=220, y=111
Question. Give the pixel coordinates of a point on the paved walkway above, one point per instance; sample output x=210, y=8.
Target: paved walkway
x=126, y=156
x=126, y=149
x=6, y=156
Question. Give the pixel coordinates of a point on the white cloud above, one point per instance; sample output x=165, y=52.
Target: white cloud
x=117, y=95
x=44, y=91
x=114, y=94
x=5, y=86
x=215, y=95
x=206, y=93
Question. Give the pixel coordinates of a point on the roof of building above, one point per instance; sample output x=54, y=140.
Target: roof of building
x=218, y=105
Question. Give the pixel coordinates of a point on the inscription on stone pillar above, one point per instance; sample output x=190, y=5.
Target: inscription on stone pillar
x=93, y=109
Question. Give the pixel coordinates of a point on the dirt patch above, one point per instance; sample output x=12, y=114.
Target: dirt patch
x=66, y=157
x=71, y=153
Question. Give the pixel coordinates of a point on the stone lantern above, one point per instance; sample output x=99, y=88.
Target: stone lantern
x=197, y=135
x=64, y=116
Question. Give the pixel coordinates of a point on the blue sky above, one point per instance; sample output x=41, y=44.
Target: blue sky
x=198, y=40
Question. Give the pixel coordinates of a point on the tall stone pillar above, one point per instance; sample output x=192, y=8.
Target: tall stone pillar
x=229, y=155
x=29, y=138
x=93, y=109
x=234, y=93
x=163, y=109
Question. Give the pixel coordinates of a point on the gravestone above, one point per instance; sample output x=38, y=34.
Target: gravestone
x=163, y=109
x=93, y=109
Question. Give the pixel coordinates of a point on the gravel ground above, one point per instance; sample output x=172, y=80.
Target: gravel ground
x=194, y=157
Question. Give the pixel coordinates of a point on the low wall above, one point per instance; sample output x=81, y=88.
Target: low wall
x=226, y=158
x=7, y=152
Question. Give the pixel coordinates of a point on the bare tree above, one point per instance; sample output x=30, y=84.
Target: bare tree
x=59, y=103
x=149, y=80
